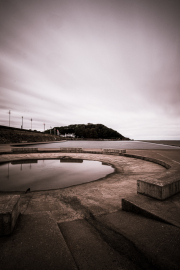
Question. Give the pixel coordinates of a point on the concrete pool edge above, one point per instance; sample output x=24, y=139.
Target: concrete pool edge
x=159, y=245
x=67, y=150
x=24, y=160
x=160, y=188
x=172, y=170
x=164, y=186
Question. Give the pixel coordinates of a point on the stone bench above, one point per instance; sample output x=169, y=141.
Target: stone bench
x=162, y=187
x=113, y=151
x=9, y=212
x=17, y=150
x=71, y=150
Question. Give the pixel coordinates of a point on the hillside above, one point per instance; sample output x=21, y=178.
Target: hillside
x=15, y=135
x=91, y=131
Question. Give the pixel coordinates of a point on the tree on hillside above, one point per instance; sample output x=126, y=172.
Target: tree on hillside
x=94, y=131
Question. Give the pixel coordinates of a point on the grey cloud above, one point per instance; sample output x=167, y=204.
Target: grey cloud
x=114, y=62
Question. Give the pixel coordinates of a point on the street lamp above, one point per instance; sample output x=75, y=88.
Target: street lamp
x=9, y=117
x=31, y=123
x=22, y=123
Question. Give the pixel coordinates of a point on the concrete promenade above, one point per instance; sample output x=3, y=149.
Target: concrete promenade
x=86, y=226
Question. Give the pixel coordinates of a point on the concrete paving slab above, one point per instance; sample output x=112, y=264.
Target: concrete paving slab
x=159, y=242
x=36, y=243
x=89, y=250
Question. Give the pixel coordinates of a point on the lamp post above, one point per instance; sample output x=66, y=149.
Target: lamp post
x=22, y=123
x=9, y=117
x=44, y=126
x=31, y=123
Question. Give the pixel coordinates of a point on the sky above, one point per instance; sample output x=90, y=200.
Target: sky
x=112, y=62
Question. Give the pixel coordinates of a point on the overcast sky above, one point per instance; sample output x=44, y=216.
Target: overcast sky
x=114, y=62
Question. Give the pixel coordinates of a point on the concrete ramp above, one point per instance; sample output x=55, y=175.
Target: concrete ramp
x=167, y=211
x=36, y=243
x=89, y=250
x=157, y=241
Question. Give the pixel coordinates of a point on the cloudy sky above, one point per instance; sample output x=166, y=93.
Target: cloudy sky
x=114, y=62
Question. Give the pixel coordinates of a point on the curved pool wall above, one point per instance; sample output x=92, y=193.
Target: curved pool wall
x=153, y=187
x=45, y=174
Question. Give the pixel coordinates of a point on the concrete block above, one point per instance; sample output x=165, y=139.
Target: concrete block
x=71, y=150
x=30, y=150
x=24, y=150
x=160, y=190
x=17, y=149
x=9, y=212
x=111, y=151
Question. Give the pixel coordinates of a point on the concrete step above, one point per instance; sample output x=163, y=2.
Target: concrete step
x=9, y=212
x=157, y=241
x=36, y=243
x=89, y=250
x=167, y=211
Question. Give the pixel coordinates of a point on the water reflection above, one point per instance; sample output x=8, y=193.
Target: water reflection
x=71, y=160
x=21, y=162
x=27, y=161
x=36, y=174
x=8, y=170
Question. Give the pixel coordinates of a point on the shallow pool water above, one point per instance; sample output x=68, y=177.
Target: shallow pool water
x=50, y=173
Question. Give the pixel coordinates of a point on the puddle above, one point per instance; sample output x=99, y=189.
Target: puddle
x=50, y=173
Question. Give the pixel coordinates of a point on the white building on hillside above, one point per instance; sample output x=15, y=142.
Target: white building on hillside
x=68, y=135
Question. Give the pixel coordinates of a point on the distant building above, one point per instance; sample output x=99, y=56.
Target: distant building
x=68, y=135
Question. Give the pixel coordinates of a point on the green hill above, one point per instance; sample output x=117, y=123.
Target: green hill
x=90, y=131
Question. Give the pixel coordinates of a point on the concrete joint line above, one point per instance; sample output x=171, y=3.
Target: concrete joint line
x=169, y=158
